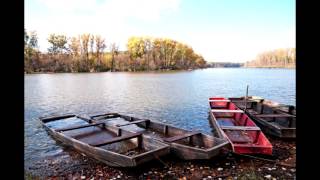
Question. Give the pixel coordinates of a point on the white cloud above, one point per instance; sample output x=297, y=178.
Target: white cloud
x=111, y=19
x=108, y=18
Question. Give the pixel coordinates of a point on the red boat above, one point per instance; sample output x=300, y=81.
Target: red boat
x=235, y=126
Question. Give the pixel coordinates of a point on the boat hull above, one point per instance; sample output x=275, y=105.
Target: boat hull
x=238, y=128
x=109, y=157
x=187, y=148
x=281, y=127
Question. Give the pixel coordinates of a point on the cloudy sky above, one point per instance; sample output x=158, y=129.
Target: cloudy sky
x=220, y=30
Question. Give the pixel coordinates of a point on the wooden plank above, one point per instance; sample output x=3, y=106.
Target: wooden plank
x=273, y=115
x=219, y=100
x=118, y=139
x=242, y=128
x=133, y=122
x=226, y=111
x=106, y=115
x=243, y=101
x=78, y=127
x=56, y=118
x=175, y=138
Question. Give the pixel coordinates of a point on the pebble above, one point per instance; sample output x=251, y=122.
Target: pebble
x=150, y=172
x=219, y=178
x=210, y=177
x=201, y=167
x=83, y=177
x=227, y=164
x=274, y=178
x=288, y=174
x=292, y=170
x=118, y=176
x=283, y=168
x=233, y=167
x=269, y=169
x=220, y=169
x=268, y=176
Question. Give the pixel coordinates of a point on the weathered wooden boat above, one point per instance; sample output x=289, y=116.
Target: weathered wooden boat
x=188, y=145
x=233, y=124
x=111, y=145
x=273, y=118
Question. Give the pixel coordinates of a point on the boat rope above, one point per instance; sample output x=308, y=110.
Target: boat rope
x=157, y=157
x=255, y=157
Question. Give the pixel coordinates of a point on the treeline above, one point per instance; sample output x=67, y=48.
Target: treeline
x=91, y=53
x=224, y=64
x=283, y=58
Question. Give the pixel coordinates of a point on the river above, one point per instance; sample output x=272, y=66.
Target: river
x=177, y=98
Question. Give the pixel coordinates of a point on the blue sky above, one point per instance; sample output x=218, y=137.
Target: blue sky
x=220, y=30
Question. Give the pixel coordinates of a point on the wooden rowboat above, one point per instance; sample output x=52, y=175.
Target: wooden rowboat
x=273, y=118
x=185, y=144
x=233, y=124
x=111, y=145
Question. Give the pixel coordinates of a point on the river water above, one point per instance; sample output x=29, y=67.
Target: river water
x=176, y=98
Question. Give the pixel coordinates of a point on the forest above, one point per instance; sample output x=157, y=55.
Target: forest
x=92, y=53
x=278, y=58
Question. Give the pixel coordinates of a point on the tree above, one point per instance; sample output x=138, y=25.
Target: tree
x=31, y=52
x=85, y=50
x=136, y=49
x=114, y=49
x=100, y=46
x=58, y=44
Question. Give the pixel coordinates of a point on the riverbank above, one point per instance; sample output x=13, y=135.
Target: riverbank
x=79, y=166
x=154, y=71
x=272, y=67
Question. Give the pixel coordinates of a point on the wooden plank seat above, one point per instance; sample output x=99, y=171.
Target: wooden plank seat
x=238, y=137
x=176, y=138
x=105, y=116
x=120, y=138
x=243, y=101
x=241, y=128
x=219, y=100
x=273, y=115
x=226, y=111
x=55, y=118
x=79, y=127
x=133, y=122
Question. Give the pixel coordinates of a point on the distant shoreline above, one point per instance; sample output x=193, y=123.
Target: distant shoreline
x=270, y=67
x=159, y=71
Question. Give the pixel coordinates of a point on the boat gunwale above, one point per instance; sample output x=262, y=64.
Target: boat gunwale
x=234, y=145
x=131, y=158
x=205, y=150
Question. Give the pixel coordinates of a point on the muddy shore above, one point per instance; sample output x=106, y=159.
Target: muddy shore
x=73, y=165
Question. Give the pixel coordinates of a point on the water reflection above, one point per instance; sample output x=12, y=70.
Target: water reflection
x=176, y=98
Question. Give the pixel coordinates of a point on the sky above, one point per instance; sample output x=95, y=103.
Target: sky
x=219, y=30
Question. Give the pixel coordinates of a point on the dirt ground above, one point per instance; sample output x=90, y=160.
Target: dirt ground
x=229, y=166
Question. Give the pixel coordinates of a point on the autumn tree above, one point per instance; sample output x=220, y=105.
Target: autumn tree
x=136, y=49
x=84, y=39
x=58, y=44
x=100, y=46
x=114, y=50
x=31, y=52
